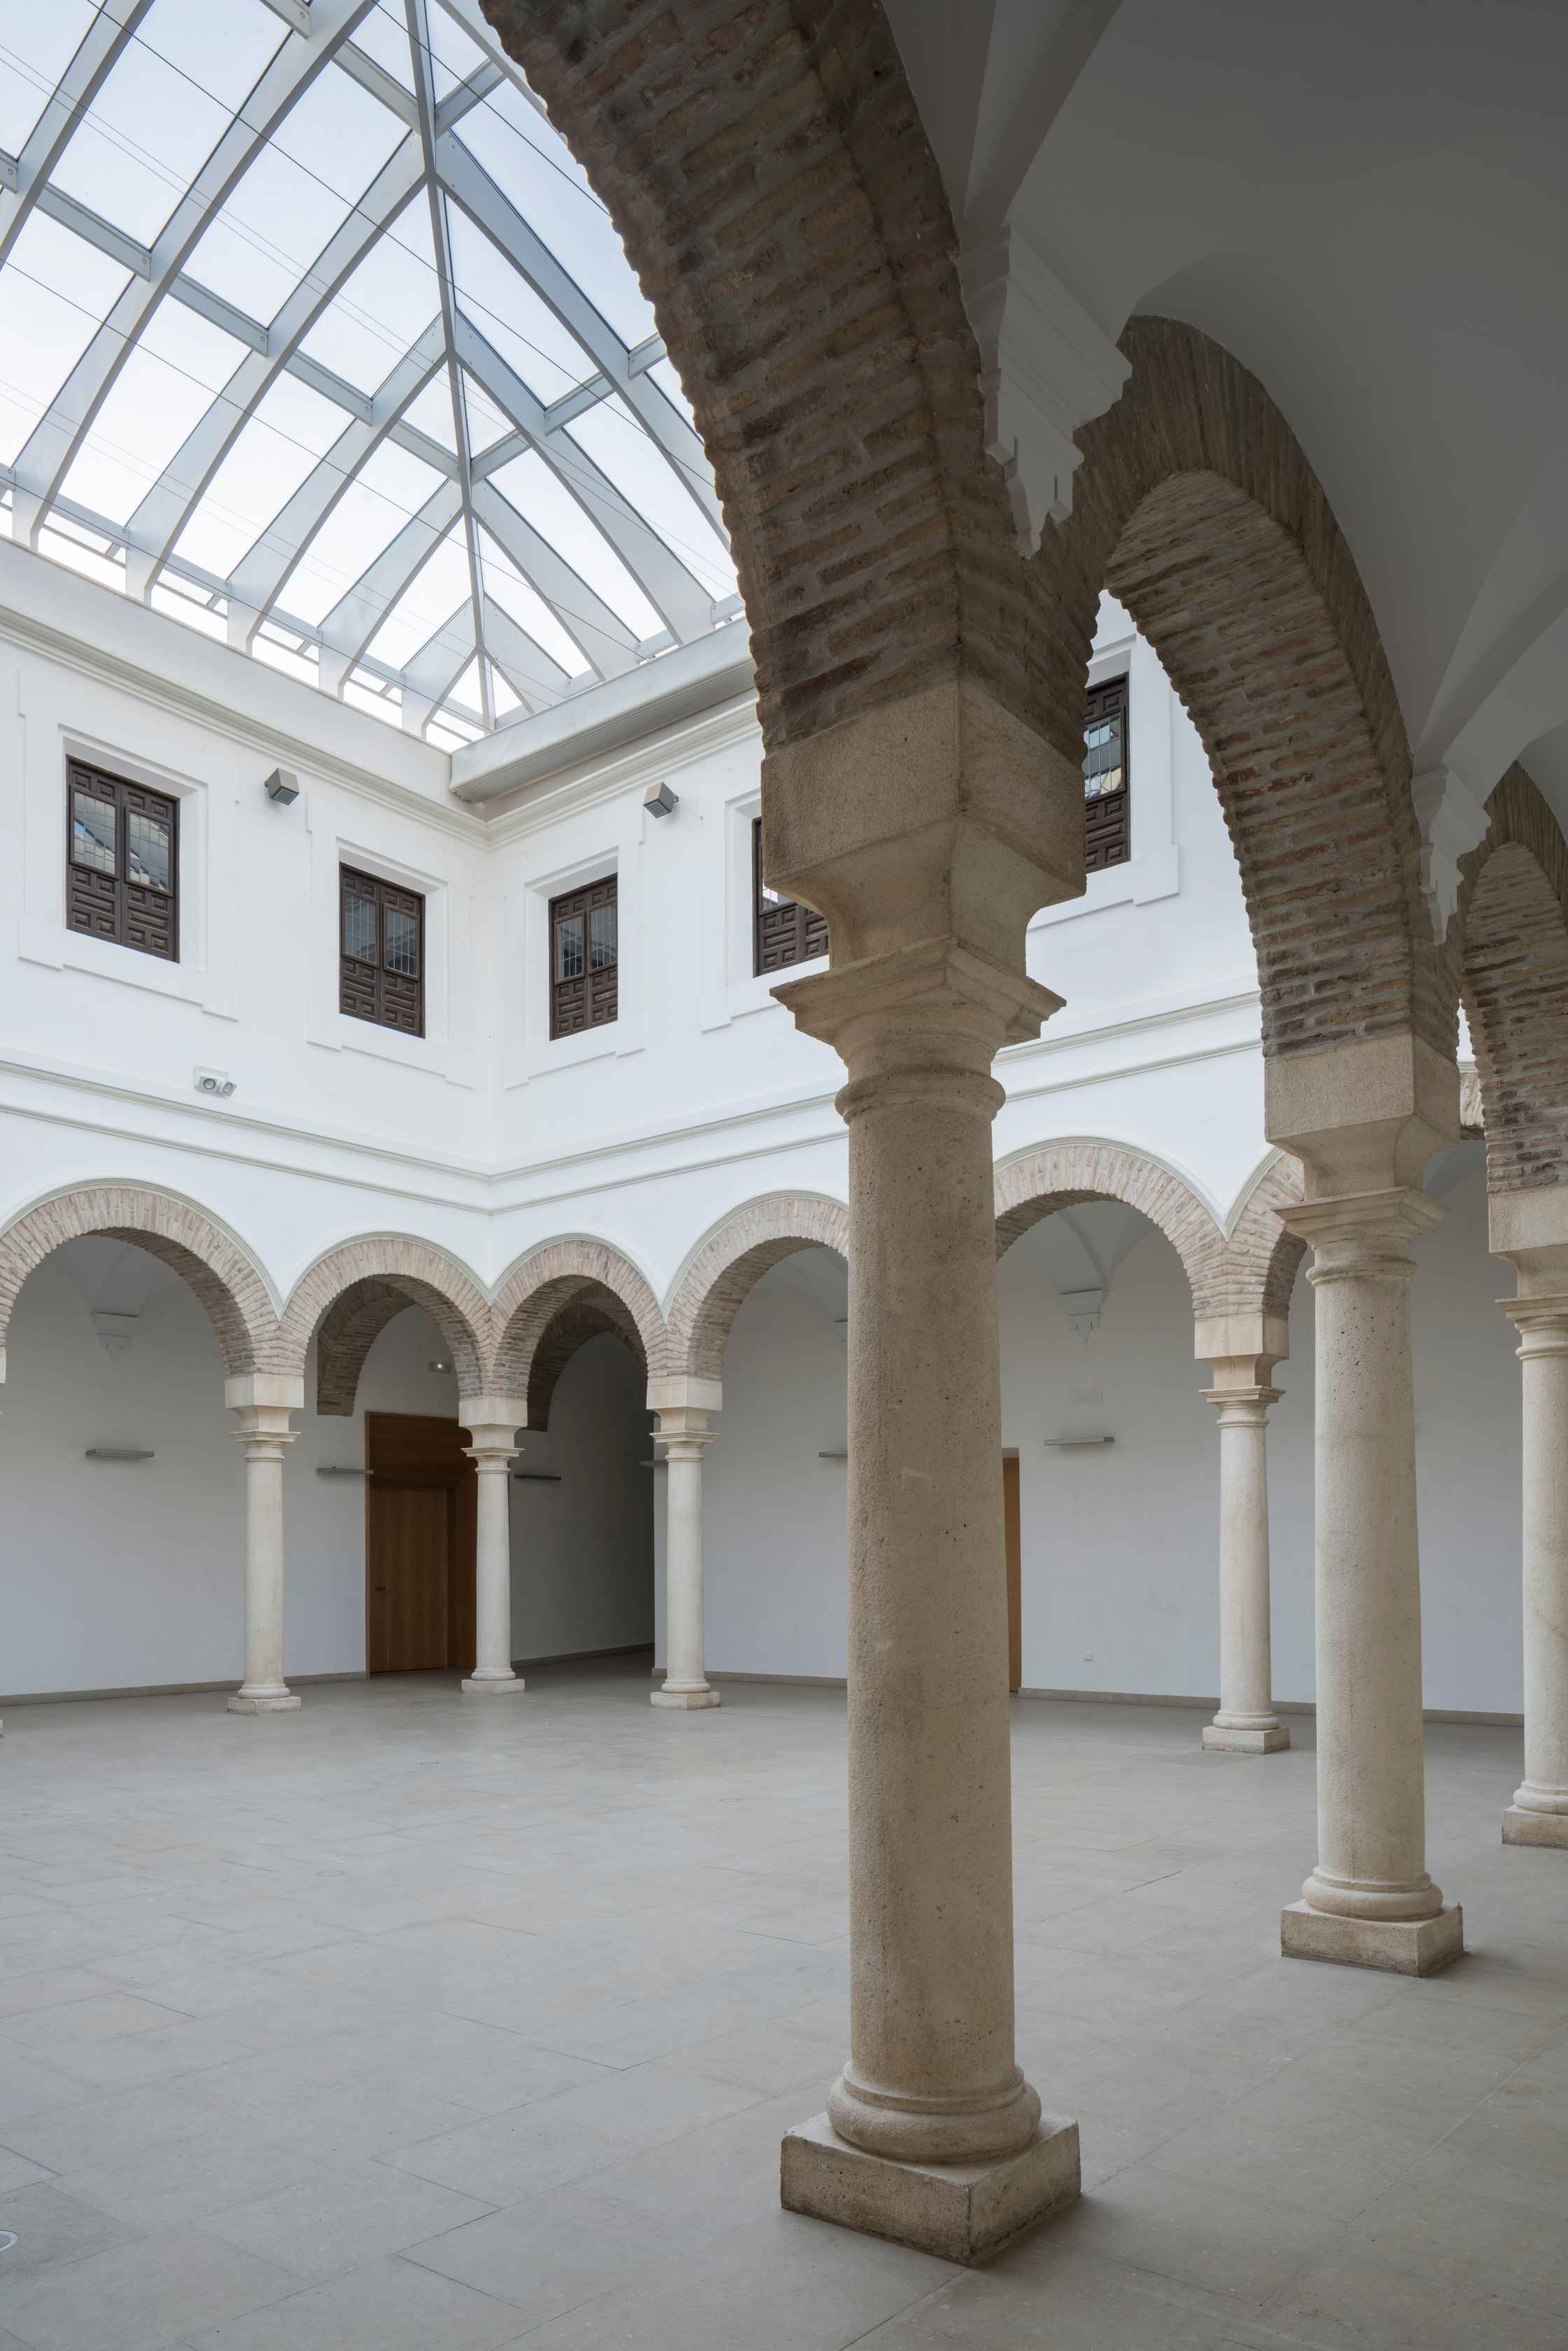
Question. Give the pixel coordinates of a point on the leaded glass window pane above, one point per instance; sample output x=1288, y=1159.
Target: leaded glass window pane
x=1102, y=761
x=602, y=937
x=358, y=928
x=92, y=832
x=401, y=950
x=568, y=948
x=148, y=862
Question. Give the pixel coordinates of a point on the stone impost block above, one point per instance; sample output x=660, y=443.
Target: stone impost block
x=1402, y=1947
x=1520, y=1827
x=959, y=2211
x=1272, y=1741
x=264, y=1392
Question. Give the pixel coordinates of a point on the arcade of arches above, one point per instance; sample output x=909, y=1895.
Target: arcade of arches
x=780, y=1349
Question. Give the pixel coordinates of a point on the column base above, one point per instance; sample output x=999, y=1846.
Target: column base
x=1270, y=1738
x=494, y=1686
x=959, y=2211
x=687, y=1700
x=1522, y=1827
x=1403, y=1946
x=264, y=1701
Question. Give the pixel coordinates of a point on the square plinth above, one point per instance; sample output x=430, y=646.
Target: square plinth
x=513, y=1686
x=1403, y=1946
x=242, y=1703
x=685, y=1701
x=1520, y=1827
x=1244, y=1742
x=960, y=2211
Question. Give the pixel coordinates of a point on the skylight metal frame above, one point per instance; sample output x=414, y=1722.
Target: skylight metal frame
x=430, y=163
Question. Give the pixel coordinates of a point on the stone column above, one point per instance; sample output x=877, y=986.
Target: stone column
x=492, y=1423
x=1369, y=1902
x=931, y=2078
x=262, y=1405
x=683, y=1431
x=1246, y=1723
x=1539, y=1813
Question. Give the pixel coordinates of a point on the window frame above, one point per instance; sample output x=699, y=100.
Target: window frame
x=375, y=889
x=93, y=775
x=1110, y=814
x=581, y=899
x=809, y=942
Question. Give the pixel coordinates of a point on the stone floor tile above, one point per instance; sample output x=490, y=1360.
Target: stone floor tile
x=1356, y=2300
x=18, y=1993
x=354, y=2214
x=1065, y=2300
x=502, y=2158
x=50, y=2225
x=71, y=2024
x=385, y=2305
x=1199, y=2231
x=178, y=2183
x=142, y=2297
x=558, y=2250
x=1480, y=2244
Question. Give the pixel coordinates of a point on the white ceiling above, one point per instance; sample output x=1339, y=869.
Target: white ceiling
x=1368, y=205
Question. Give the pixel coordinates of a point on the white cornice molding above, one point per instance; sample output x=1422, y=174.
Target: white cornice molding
x=1046, y=368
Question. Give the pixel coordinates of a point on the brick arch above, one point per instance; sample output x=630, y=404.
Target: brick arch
x=1258, y=1263
x=351, y=1293
x=1513, y=952
x=1035, y=1184
x=558, y=1297
x=1195, y=507
x=211, y=1261
x=720, y=1272
x=769, y=176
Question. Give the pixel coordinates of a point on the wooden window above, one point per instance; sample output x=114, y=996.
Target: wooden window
x=380, y=944
x=1107, y=799
x=122, y=868
x=782, y=931
x=584, y=955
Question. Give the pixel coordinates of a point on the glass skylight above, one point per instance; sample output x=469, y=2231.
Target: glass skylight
x=313, y=334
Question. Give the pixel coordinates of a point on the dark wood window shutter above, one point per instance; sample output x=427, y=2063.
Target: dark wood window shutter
x=782, y=931
x=1107, y=778
x=381, y=952
x=122, y=861
x=584, y=959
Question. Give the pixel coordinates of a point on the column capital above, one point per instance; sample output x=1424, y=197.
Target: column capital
x=1542, y=1322
x=1362, y=1233
x=1243, y=1408
x=1245, y=1372
x=685, y=1427
x=920, y=1014
x=263, y=1430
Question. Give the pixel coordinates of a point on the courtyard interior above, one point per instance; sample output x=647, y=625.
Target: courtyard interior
x=403, y=2024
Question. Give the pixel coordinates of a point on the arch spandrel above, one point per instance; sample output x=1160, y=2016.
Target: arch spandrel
x=721, y=1272
x=211, y=1261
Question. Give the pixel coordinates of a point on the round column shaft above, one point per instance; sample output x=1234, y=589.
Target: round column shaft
x=263, y=1434
x=1246, y=1723
x=1369, y=1901
x=493, y=1451
x=1539, y=1813
x=683, y=1433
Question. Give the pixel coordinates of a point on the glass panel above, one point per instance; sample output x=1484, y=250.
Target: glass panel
x=92, y=832
x=543, y=499
x=173, y=374
x=602, y=937
x=148, y=843
x=569, y=947
x=41, y=44
x=389, y=487
x=1103, y=757
x=359, y=927
x=440, y=589
x=513, y=318
x=386, y=304
x=46, y=332
x=611, y=435
x=270, y=457
x=402, y=954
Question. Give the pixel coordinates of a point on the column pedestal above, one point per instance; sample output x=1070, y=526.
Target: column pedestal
x=1369, y=1903
x=931, y=2135
x=263, y=1434
x=1246, y=1723
x=1539, y=1813
x=493, y=1423
x=683, y=1431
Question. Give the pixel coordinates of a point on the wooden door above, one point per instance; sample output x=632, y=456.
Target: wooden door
x=1012, y=1531
x=420, y=1526
x=411, y=1542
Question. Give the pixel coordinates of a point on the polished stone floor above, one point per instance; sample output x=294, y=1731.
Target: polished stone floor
x=417, y=2023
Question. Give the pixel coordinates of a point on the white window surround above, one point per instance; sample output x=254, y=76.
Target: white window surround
x=1153, y=869
x=445, y=1050
x=528, y=1051
x=204, y=974
x=731, y=988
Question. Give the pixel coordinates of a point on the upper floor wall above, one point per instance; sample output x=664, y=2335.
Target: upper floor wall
x=253, y=995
